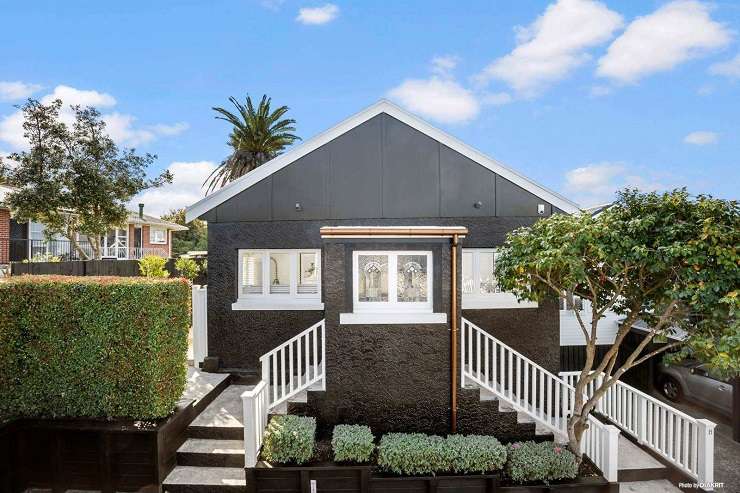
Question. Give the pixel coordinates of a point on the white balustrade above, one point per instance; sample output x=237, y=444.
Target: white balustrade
x=295, y=366
x=256, y=407
x=685, y=441
x=200, y=324
x=529, y=388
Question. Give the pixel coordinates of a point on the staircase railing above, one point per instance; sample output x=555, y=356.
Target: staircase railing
x=531, y=389
x=685, y=441
x=297, y=365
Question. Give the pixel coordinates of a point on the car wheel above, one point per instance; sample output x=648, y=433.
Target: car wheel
x=671, y=389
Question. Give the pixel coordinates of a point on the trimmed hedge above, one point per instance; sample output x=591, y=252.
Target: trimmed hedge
x=474, y=453
x=352, y=443
x=545, y=461
x=92, y=346
x=289, y=439
x=411, y=453
x=417, y=453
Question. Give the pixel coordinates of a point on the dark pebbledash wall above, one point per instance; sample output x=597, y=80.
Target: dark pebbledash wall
x=240, y=337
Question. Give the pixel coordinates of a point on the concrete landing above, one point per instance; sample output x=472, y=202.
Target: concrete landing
x=225, y=411
x=633, y=457
x=655, y=486
x=200, y=383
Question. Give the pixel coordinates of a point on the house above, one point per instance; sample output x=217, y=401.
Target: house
x=143, y=234
x=354, y=234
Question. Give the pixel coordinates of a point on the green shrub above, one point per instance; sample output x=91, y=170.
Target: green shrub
x=289, y=438
x=92, y=346
x=187, y=267
x=473, y=454
x=411, y=453
x=545, y=461
x=153, y=266
x=352, y=443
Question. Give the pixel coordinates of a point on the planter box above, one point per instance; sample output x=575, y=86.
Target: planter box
x=363, y=479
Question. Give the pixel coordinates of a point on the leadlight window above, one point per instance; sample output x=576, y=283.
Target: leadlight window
x=390, y=281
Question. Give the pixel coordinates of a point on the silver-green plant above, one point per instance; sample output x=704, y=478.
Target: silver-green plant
x=545, y=461
x=474, y=454
x=289, y=439
x=352, y=443
x=411, y=453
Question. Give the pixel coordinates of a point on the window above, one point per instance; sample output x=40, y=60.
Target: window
x=279, y=280
x=157, y=235
x=479, y=286
x=390, y=285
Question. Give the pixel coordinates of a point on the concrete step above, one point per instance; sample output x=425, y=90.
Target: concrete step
x=222, y=419
x=189, y=479
x=211, y=453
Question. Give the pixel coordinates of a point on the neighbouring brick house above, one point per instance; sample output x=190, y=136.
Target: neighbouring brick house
x=143, y=234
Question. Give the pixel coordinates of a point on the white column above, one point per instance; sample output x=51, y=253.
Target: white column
x=610, y=442
x=705, y=453
x=642, y=418
x=253, y=406
x=200, y=324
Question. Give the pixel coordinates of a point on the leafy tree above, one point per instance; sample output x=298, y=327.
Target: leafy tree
x=74, y=179
x=667, y=259
x=195, y=238
x=257, y=135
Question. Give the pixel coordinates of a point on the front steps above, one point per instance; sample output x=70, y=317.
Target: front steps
x=212, y=457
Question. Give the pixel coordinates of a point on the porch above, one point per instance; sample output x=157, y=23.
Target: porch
x=63, y=250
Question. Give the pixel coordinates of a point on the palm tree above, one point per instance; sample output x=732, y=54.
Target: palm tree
x=256, y=137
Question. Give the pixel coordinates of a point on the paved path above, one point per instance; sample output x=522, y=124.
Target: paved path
x=655, y=486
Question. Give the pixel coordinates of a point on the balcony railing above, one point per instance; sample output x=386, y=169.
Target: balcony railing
x=18, y=250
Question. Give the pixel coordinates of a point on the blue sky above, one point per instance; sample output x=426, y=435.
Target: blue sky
x=582, y=96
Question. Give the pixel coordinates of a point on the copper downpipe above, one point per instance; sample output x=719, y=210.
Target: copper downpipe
x=453, y=337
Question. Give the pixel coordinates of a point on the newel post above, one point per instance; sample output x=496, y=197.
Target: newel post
x=610, y=442
x=642, y=419
x=705, y=453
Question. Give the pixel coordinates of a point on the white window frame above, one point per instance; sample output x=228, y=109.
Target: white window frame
x=292, y=300
x=152, y=237
x=478, y=300
x=392, y=311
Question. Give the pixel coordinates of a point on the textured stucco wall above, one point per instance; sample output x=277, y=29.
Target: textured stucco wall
x=240, y=337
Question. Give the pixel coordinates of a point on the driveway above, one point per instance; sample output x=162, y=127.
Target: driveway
x=726, y=450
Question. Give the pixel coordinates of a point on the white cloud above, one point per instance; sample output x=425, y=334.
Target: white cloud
x=676, y=32
x=120, y=126
x=701, y=137
x=596, y=183
x=13, y=91
x=553, y=45
x=497, y=98
x=318, y=15
x=705, y=90
x=444, y=65
x=443, y=100
x=72, y=96
x=186, y=188
x=730, y=68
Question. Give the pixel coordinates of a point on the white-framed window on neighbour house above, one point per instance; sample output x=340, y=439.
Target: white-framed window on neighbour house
x=157, y=235
x=392, y=287
x=279, y=279
x=480, y=288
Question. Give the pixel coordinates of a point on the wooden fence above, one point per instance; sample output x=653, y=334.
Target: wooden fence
x=119, y=268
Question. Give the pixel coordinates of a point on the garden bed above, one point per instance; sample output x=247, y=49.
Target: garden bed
x=358, y=478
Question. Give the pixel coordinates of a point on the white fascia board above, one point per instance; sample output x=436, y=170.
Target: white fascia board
x=382, y=106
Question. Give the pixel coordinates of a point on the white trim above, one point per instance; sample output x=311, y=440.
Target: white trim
x=371, y=318
x=480, y=301
x=392, y=305
x=268, y=304
x=292, y=300
x=258, y=174
x=152, y=230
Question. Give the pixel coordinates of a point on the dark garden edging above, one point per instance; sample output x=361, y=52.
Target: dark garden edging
x=364, y=479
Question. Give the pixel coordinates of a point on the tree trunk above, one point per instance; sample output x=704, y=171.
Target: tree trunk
x=577, y=425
